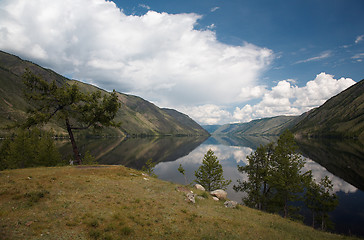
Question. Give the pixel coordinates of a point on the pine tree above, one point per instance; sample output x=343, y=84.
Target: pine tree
x=210, y=173
x=182, y=171
x=66, y=102
x=258, y=170
x=321, y=201
x=286, y=177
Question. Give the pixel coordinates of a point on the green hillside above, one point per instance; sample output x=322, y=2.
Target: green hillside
x=260, y=127
x=340, y=116
x=137, y=116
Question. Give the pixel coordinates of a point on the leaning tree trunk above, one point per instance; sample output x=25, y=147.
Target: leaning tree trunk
x=285, y=208
x=73, y=142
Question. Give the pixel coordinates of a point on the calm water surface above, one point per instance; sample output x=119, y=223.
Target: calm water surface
x=343, y=162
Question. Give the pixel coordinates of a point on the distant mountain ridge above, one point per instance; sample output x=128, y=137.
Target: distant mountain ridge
x=265, y=126
x=342, y=116
x=137, y=116
x=211, y=128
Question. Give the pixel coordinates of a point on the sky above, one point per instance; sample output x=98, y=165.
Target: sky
x=216, y=61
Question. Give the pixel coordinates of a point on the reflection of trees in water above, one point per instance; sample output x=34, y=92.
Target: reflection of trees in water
x=344, y=159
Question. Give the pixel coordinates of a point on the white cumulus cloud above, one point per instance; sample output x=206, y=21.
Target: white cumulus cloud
x=288, y=99
x=158, y=56
x=208, y=114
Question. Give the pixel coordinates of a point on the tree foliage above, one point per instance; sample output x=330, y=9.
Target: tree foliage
x=77, y=110
x=210, y=173
x=29, y=148
x=149, y=167
x=258, y=171
x=181, y=170
x=286, y=177
x=276, y=180
x=320, y=200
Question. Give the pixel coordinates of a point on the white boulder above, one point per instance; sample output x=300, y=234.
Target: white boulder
x=219, y=193
x=199, y=187
x=230, y=204
x=191, y=197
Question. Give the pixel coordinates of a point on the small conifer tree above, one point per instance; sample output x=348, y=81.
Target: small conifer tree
x=149, y=167
x=320, y=200
x=210, y=173
x=182, y=171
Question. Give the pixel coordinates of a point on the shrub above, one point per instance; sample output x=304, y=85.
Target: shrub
x=88, y=159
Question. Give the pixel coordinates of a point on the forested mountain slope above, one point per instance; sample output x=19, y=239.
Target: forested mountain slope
x=340, y=116
x=264, y=126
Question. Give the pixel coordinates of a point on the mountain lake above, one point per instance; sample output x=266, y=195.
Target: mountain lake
x=341, y=161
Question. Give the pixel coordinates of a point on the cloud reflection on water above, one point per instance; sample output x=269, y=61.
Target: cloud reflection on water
x=230, y=157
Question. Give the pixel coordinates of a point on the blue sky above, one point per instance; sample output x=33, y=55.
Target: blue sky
x=217, y=61
x=297, y=31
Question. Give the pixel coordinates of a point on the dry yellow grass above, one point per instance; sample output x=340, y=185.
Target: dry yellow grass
x=115, y=202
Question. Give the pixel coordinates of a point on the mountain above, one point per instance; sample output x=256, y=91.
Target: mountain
x=265, y=126
x=211, y=128
x=340, y=116
x=137, y=116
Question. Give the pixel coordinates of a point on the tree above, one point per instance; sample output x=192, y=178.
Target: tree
x=181, y=170
x=321, y=201
x=29, y=148
x=149, y=167
x=258, y=170
x=274, y=176
x=210, y=173
x=286, y=177
x=66, y=102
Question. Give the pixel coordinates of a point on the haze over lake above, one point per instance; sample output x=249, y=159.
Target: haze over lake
x=170, y=152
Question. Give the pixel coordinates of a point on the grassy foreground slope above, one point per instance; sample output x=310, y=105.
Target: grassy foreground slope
x=114, y=202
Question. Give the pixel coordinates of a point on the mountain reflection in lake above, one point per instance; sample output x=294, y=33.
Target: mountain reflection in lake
x=135, y=152
x=338, y=160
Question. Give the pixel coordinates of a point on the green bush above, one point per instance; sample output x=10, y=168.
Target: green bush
x=88, y=159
